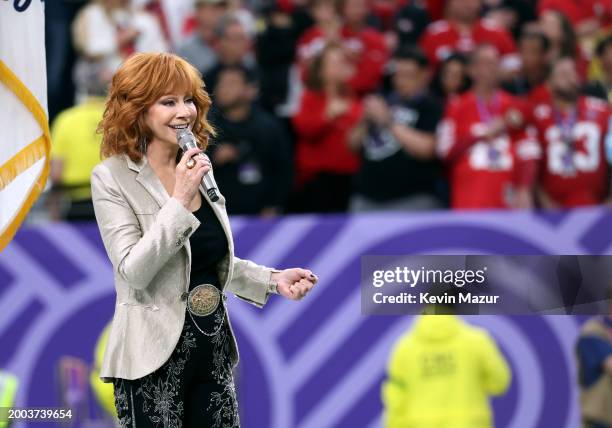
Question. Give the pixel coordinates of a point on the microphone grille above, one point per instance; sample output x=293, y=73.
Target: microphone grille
x=186, y=139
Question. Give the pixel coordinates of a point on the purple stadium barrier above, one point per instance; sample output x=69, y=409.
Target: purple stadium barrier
x=318, y=363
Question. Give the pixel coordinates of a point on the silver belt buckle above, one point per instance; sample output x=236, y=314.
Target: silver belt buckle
x=203, y=300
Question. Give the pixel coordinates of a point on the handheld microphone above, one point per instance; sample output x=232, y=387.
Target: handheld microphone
x=187, y=141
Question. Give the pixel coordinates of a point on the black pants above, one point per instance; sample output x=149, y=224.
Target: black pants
x=194, y=388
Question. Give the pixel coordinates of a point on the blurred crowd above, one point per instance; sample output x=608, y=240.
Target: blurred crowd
x=358, y=105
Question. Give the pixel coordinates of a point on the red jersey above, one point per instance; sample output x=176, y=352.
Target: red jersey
x=578, y=11
x=435, y=8
x=386, y=10
x=483, y=173
x=322, y=144
x=540, y=95
x=573, y=170
x=366, y=48
x=442, y=38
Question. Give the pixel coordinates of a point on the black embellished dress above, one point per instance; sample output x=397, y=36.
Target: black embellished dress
x=195, y=387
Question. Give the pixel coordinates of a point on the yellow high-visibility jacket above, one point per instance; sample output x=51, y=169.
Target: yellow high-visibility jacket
x=104, y=392
x=442, y=374
x=8, y=390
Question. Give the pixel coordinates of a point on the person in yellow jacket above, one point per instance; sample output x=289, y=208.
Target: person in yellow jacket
x=8, y=390
x=442, y=374
x=103, y=392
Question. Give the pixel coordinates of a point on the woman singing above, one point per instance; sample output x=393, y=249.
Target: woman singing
x=171, y=348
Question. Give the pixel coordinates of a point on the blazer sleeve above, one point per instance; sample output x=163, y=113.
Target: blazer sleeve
x=251, y=282
x=137, y=257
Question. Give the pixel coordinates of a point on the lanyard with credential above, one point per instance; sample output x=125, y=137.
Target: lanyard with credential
x=486, y=115
x=566, y=128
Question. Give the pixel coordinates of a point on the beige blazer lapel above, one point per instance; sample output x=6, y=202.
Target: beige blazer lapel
x=150, y=181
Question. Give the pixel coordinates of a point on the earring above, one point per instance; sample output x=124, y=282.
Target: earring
x=143, y=145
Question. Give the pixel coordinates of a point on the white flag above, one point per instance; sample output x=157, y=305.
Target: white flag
x=24, y=127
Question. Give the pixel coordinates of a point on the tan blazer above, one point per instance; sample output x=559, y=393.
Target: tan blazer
x=146, y=235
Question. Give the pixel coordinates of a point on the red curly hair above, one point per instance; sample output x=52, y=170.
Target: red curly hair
x=140, y=81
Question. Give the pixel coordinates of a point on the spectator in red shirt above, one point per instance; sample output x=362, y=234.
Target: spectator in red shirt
x=462, y=30
x=366, y=48
x=481, y=139
x=571, y=130
x=326, y=29
x=328, y=113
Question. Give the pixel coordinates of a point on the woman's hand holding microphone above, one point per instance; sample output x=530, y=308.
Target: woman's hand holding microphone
x=188, y=175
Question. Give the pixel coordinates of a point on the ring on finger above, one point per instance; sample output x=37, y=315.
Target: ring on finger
x=190, y=163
